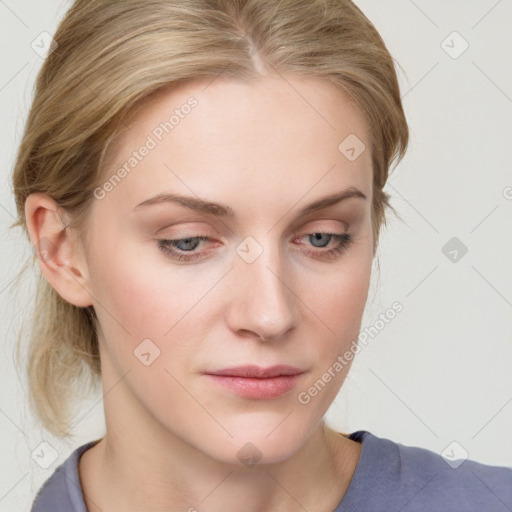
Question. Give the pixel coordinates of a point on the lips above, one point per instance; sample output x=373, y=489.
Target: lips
x=255, y=372
x=255, y=382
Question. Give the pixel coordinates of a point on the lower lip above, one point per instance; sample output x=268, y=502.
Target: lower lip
x=258, y=389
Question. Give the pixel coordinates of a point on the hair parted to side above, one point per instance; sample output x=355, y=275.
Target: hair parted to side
x=113, y=54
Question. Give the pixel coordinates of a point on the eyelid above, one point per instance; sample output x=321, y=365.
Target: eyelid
x=183, y=230
x=311, y=227
x=201, y=219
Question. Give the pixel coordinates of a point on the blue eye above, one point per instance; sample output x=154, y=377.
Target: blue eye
x=183, y=249
x=343, y=242
x=182, y=244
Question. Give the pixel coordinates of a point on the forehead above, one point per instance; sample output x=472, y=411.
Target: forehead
x=271, y=134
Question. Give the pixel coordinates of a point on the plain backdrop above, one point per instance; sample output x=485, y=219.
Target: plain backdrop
x=439, y=374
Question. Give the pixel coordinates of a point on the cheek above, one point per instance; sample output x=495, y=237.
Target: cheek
x=335, y=317
x=140, y=296
x=339, y=298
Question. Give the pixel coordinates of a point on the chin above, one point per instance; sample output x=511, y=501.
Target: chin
x=259, y=444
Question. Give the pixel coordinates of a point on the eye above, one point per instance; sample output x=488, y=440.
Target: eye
x=343, y=241
x=184, y=246
x=184, y=249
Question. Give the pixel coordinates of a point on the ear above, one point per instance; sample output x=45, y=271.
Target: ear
x=60, y=257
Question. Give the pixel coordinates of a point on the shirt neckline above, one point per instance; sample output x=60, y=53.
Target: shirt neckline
x=349, y=498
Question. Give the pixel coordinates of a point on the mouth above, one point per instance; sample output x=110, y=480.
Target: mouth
x=255, y=382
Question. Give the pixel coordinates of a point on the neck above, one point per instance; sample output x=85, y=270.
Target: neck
x=134, y=477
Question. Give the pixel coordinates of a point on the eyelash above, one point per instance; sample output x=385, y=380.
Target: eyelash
x=166, y=246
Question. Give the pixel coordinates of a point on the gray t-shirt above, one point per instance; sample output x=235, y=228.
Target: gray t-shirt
x=389, y=477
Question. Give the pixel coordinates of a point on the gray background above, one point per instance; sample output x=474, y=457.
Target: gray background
x=439, y=372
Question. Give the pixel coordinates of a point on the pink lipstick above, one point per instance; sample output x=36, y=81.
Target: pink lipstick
x=255, y=382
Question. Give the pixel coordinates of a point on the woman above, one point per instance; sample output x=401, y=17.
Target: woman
x=202, y=183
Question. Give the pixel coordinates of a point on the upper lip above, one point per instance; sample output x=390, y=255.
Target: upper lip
x=257, y=372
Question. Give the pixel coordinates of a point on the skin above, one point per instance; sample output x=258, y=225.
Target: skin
x=172, y=435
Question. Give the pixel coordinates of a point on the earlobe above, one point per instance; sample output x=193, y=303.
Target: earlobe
x=59, y=257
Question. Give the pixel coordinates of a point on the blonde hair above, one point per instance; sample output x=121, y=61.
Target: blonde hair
x=113, y=54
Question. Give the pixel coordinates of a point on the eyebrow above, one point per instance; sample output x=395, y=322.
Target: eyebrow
x=221, y=210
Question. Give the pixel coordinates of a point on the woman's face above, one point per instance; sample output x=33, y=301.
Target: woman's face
x=249, y=283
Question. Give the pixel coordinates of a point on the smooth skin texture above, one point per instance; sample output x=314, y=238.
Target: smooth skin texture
x=266, y=149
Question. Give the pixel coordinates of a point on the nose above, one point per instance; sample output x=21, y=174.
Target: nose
x=263, y=303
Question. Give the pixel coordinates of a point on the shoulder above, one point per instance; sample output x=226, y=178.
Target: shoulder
x=458, y=482
x=413, y=479
x=62, y=492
